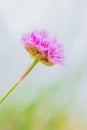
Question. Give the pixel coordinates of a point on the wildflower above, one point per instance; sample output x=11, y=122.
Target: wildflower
x=42, y=47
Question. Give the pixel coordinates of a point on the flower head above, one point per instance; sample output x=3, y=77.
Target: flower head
x=42, y=47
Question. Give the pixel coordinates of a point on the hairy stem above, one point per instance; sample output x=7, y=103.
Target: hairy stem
x=19, y=81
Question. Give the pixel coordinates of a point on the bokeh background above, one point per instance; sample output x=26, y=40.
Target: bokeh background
x=50, y=98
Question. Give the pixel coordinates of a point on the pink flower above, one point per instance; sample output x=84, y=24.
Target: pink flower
x=44, y=48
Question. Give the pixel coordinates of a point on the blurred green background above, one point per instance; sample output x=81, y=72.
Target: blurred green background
x=51, y=107
x=50, y=98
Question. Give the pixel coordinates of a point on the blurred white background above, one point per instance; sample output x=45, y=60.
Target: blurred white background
x=65, y=19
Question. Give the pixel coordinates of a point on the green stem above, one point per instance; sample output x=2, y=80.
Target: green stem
x=19, y=81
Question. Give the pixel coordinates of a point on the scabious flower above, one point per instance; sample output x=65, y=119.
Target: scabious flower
x=44, y=48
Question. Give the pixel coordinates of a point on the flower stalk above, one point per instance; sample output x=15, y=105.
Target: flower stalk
x=19, y=81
